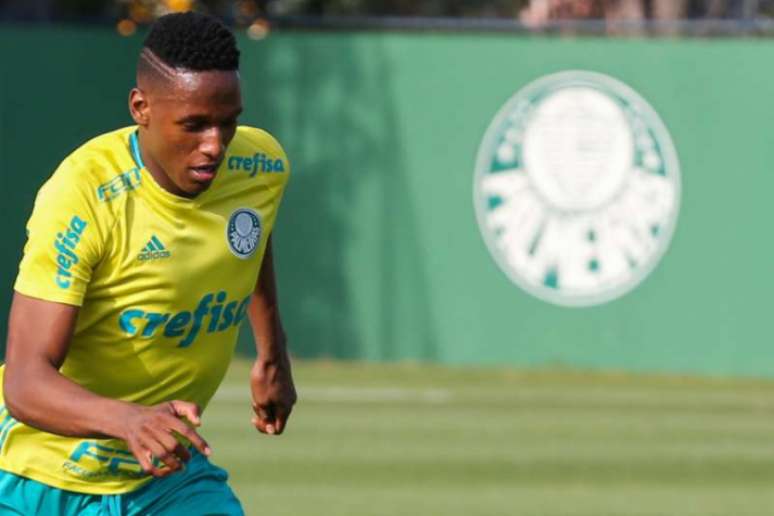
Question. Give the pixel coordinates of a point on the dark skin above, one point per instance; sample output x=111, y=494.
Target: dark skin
x=186, y=121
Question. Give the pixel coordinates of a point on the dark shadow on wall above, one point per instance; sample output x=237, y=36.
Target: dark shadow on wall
x=285, y=83
x=328, y=98
x=349, y=288
x=66, y=86
x=407, y=319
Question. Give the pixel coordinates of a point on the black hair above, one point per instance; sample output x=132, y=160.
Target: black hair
x=193, y=41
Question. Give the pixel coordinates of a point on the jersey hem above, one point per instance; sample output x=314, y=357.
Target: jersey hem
x=25, y=288
x=57, y=483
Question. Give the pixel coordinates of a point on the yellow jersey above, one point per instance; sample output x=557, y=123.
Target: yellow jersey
x=162, y=282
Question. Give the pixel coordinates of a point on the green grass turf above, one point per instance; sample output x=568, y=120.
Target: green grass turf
x=372, y=440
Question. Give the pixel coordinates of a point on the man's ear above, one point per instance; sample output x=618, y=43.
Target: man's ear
x=139, y=107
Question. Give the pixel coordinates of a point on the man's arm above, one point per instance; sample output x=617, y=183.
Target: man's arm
x=271, y=381
x=37, y=394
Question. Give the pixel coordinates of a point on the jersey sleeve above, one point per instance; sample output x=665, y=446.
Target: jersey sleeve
x=281, y=167
x=65, y=240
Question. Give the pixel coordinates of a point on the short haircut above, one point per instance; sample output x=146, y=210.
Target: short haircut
x=193, y=41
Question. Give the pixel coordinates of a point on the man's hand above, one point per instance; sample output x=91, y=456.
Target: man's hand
x=37, y=394
x=151, y=432
x=274, y=395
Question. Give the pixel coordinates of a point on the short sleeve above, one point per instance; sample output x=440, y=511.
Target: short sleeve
x=64, y=242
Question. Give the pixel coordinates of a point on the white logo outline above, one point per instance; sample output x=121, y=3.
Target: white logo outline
x=243, y=232
x=522, y=100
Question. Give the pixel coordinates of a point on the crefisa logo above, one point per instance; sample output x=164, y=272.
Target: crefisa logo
x=243, y=232
x=577, y=188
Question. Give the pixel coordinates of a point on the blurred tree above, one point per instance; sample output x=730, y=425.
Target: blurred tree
x=540, y=12
x=445, y=8
x=81, y=8
x=625, y=9
x=27, y=9
x=669, y=9
x=534, y=13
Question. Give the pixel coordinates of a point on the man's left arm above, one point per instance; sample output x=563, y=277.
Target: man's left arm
x=271, y=381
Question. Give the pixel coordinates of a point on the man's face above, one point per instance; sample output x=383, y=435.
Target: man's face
x=186, y=123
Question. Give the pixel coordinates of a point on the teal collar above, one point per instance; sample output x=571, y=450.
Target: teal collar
x=134, y=147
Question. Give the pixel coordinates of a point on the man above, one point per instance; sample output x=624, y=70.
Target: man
x=142, y=259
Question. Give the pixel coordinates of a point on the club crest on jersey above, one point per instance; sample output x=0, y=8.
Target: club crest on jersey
x=577, y=188
x=243, y=232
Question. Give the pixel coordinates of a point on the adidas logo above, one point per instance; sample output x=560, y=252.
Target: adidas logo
x=153, y=250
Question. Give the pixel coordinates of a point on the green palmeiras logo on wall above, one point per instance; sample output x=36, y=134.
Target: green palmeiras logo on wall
x=577, y=188
x=243, y=232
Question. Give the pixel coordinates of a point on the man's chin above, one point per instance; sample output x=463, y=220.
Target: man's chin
x=191, y=189
x=195, y=183
x=196, y=188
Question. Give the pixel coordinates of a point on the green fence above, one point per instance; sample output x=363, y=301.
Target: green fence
x=379, y=253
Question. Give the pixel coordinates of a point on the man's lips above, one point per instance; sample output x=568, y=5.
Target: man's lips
x=204, y=173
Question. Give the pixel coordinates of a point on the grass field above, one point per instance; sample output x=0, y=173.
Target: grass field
x=372, y=440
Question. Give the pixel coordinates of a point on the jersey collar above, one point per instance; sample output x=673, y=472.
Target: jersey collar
x=134, y=147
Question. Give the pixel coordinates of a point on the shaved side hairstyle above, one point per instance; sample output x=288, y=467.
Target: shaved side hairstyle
x=187, y=41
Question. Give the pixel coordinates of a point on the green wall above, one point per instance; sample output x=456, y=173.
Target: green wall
x=379, y=252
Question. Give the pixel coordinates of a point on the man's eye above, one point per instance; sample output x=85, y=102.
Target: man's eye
x=193, y=126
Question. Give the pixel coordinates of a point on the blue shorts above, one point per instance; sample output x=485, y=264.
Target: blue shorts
x=198, y=490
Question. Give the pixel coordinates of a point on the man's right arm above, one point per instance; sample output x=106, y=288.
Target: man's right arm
x=37, y=394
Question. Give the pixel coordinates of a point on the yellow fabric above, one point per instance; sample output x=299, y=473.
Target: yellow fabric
x=162, y=281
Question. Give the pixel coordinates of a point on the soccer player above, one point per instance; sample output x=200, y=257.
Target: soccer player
x=146, y=249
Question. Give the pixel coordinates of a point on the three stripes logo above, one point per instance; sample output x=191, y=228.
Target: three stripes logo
x=153, y=250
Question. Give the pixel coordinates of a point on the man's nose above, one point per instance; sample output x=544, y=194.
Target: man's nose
x=212, y=143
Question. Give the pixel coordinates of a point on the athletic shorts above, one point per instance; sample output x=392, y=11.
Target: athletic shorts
x=200, y=489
